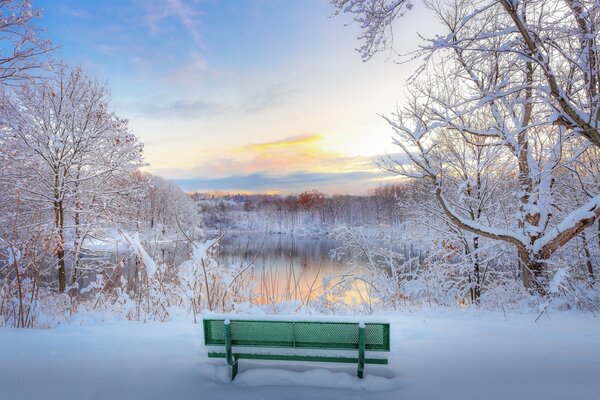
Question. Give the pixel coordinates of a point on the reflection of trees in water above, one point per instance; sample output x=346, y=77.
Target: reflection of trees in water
x=302, y=251
x=286, y=267
x=304, y=262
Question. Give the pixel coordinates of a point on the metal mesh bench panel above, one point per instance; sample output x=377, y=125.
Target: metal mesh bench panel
x=214, y=333
x=298, y=334
x=377, y=337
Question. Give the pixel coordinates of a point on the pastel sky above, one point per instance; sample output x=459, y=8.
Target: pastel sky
x=253, y=96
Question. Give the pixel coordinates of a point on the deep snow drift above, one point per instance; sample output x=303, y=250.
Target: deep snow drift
x=435, y=355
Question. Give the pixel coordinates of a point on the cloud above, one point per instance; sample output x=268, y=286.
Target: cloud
x=70, y=11
x=290, y=164
x=196, y=69
x=298, y=153
x=292, y=141
x=264, y=99
x=305, y=152
x=107, y=49
x=271, y=96
x=155, y=14
x=261, y=182
x=185, y=109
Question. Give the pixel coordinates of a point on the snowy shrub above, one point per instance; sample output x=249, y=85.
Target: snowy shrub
x=396, y=271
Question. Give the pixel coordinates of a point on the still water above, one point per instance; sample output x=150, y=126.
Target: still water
x=289, y=267
x=279, y=267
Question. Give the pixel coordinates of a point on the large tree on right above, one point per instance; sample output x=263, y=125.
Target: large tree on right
x=519, y=75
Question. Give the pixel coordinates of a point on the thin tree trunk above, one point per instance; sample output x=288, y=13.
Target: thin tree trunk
x=60, y=246
x=21, y=317
x=588, y=257
x=59, y=224
x=78, y=239
x=60, y=252
x=476, y=289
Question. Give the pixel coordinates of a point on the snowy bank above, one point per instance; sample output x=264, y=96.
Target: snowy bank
x=435, y=355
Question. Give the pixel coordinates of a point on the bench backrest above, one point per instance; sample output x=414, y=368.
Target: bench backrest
x=297, y=334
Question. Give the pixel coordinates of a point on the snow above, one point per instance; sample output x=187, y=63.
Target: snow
x=435, y=355
x=587, y=211
x=136, y=244
x=299, y=317
x=559, y=277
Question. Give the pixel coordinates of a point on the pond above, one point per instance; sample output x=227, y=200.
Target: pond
x=282, y=267
x=288, y=267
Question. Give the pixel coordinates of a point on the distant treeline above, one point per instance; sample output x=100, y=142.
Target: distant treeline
x=309, y=209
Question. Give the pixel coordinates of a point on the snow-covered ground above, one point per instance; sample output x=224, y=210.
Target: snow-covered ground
x=435, y=355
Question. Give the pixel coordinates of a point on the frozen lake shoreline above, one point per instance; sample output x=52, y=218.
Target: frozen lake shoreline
x=435, y=355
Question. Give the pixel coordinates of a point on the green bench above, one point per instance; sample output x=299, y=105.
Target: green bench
x=241, y=337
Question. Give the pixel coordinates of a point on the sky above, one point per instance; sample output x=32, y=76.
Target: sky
x=242, y=96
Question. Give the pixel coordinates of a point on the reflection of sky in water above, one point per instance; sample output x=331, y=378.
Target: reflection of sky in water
x=287, y=267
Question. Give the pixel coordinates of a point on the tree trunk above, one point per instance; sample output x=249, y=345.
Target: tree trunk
x=78, y=238
x=59, y=226
x=475, y=277
x=532, y=272
x=77, y=247
x=59, y=220
x=588, y=258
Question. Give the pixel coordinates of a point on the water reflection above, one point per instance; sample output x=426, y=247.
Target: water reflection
x=288, y=267
x=283, y=267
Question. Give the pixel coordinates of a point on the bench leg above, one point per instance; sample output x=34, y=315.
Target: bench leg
x=360, y=372
x=234, y=368
x=232, y=360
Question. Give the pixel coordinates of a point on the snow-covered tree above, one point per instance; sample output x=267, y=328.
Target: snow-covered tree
x=21, y=49
x=68, y=151
x=559, y=38
x=521, y=76
x=166, y=206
